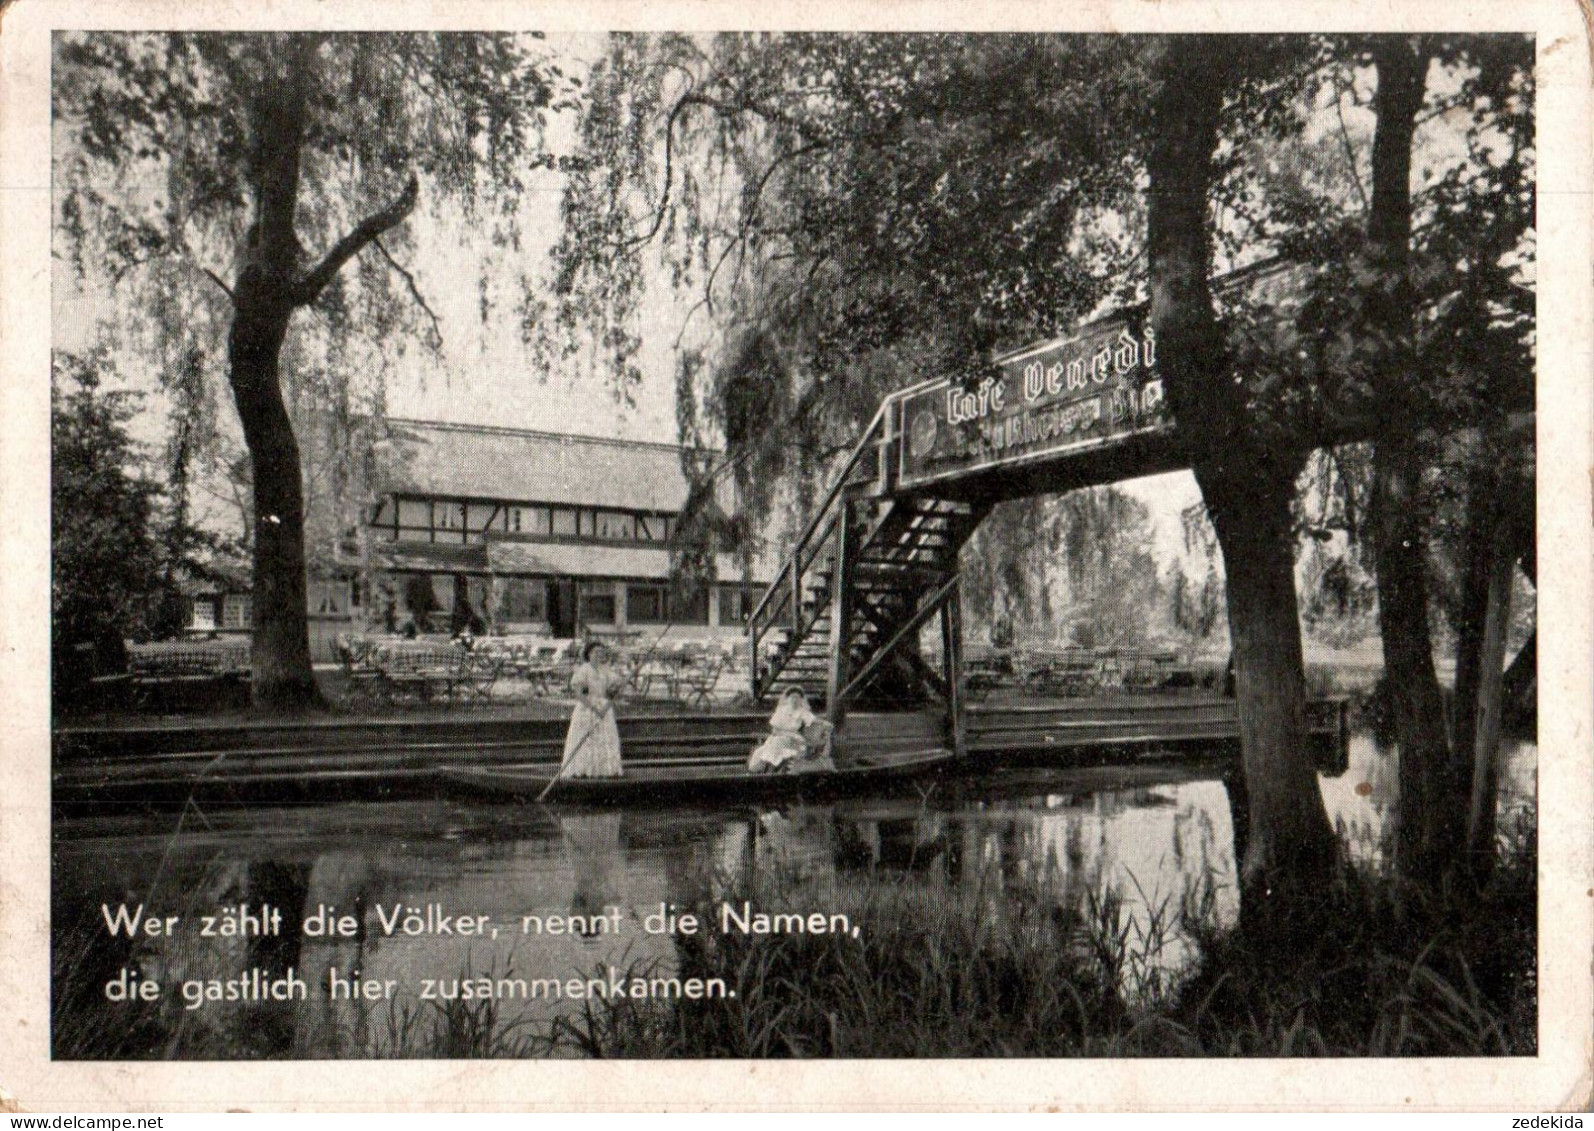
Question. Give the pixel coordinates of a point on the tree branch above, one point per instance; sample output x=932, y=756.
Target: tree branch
x=409, y=280
x=215, y=278
x=663, y=208
x=1350, y=152
x=310, y=287
x=752, y=201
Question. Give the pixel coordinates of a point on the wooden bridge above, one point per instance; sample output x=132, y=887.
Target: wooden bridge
x=878, y=562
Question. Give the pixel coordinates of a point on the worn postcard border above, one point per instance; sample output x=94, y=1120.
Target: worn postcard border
x=1559, y=1078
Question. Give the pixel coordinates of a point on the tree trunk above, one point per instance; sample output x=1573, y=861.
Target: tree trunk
x=1427, y=826
x=264, y=300
x=1239, y=813
x=1492, y=530
x=1471, y=608
x=270, y=286
x=1289, y=846
x=1520, y=684
x=1486, y=727
x=283, y=677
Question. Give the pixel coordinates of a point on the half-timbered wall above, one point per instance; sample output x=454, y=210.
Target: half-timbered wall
x=470, y=521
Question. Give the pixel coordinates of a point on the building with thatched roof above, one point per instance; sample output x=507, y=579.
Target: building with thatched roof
x=521, y=531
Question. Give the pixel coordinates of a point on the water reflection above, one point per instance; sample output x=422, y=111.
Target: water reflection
x=547, y=893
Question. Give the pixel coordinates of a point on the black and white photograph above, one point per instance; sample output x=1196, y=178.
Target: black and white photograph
x=578, y=540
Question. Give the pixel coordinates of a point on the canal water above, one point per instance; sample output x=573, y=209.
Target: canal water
x=389, y=913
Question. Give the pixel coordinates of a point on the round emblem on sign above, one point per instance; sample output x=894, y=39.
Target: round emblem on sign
x=921, y=434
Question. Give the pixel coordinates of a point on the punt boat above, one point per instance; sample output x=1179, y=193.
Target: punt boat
x=648, y=781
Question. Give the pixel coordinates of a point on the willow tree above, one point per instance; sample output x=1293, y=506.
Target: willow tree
x=841, y=214
x=257, y=168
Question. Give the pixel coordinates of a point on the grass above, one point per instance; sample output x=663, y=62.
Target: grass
x=1390, y=972
x=1394, y=972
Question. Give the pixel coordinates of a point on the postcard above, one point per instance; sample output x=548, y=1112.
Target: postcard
x=910, y=556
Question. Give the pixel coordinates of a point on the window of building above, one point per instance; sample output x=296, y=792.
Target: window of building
x=650, y=527
x=645, y=604
x=204, y=618
x=235, y=610
x=480, y=517
x=414, y=512
x=586, y=527
x=564, y=521
x=528, y=520
x=597, y=603
x=737, y=602
x=525, y=601
x=614, y=525
x=656, y=604
x=691, y=606
x=414, y=521
x=448, y=516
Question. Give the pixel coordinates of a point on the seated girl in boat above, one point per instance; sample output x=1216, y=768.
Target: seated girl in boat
x=798, y=739
x=592, y=745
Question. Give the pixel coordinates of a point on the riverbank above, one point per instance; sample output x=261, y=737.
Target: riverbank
x=990, y=972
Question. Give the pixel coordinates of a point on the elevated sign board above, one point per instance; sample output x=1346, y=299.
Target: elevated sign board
x=1072, y=394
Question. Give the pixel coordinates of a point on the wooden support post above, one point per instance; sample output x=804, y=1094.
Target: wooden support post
x=752, y=657
x=887, y=435
x=841, y=602
x=952, y=659
x=796, y=595
x=927, y=609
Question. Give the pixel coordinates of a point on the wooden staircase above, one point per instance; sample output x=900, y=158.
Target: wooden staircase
x=844, y=617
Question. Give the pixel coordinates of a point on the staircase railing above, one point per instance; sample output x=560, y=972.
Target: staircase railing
x=782, y=603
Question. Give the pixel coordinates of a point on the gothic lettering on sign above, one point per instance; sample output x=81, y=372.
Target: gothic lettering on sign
x=1081, y=390
x=962, y=406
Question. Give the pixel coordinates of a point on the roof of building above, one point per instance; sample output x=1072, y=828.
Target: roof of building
x=423, y=556
x=477, y=461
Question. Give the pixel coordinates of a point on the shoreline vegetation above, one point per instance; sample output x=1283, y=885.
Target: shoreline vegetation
x=1005, y=965
x=991, y=972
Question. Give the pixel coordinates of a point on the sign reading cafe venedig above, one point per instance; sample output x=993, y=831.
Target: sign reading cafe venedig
x=1070, y=393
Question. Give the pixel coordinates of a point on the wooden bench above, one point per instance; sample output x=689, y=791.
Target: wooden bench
x=424, y=671
x=159, y=675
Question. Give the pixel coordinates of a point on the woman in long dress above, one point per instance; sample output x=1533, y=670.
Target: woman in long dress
x=592, y=745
